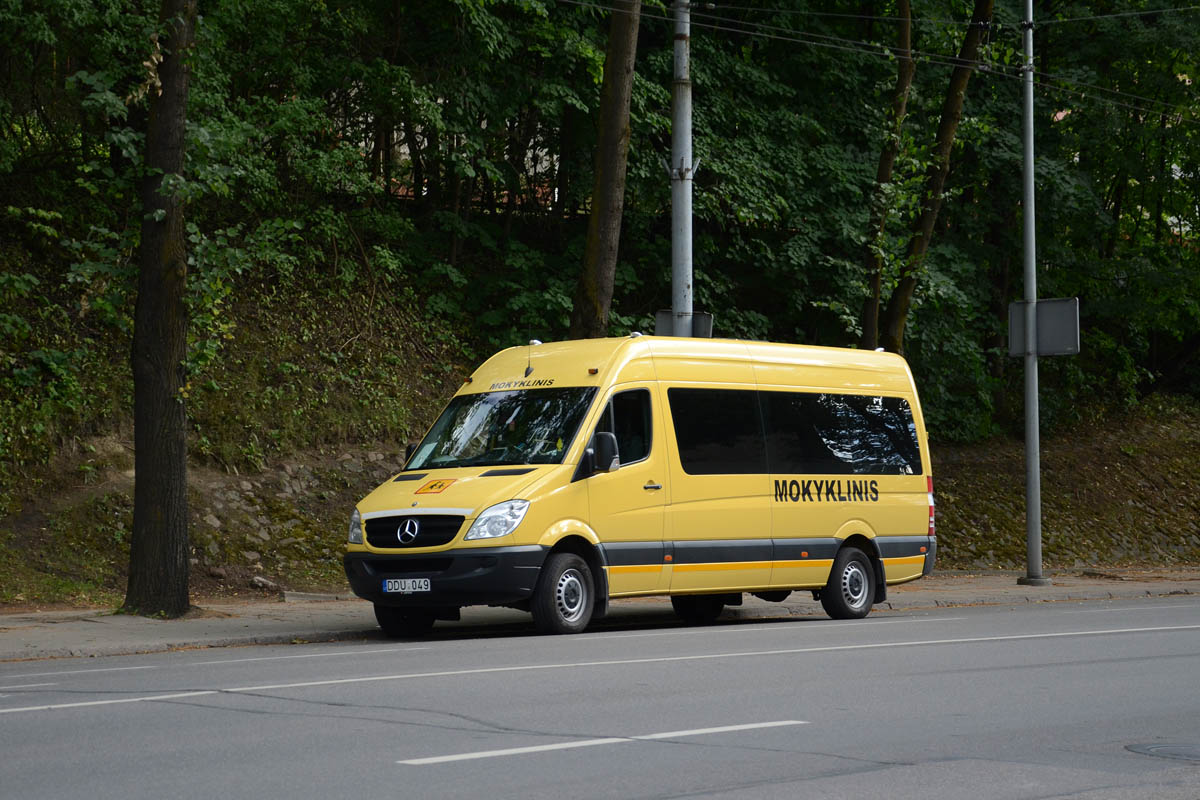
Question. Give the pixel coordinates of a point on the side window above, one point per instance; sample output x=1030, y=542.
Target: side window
x=719, y=431
x=836, y=434
x=627, y=415
x=794, y=424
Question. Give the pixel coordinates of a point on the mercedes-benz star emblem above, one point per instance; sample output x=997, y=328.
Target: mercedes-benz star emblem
x=407, y=533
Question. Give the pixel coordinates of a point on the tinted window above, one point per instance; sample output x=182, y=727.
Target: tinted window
x=835, y=434
x=628, y=417
x=719, y=431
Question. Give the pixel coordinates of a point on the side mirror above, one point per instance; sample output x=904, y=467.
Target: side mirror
x=605, y=456
x=409, y=450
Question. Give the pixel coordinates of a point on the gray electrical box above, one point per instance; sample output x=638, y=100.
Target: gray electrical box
x=1057, y=327
x=702, y=323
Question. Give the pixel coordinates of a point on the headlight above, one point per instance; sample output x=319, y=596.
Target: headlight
x=499, y=520
x=356, y=531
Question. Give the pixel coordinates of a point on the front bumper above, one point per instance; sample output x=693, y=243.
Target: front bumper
x=463, y=577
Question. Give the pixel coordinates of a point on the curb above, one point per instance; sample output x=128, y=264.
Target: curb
x=307, y=617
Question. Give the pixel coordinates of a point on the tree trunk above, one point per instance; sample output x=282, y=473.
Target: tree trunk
x=416, y=159
x=566, y=154
x=872, y=258
x=158, y=559
x=386, y=147
x=891, y=336
x=1118, y=199
x=593, y=294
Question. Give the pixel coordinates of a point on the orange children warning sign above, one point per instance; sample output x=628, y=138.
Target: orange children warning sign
x=433, y=487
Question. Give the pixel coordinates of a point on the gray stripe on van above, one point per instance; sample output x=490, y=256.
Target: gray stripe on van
x=901, y=546
x=790, y=549
x=625, y=554
x=716, y=552
x=621, y=554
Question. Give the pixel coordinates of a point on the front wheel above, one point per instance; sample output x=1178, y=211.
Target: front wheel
x=851, y=588
x=565, y=595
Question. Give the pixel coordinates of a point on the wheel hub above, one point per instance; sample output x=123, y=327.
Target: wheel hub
x=569, y=595
x=854, y=585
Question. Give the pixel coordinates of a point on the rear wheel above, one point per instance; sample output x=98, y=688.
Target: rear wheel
x=404, y=622
x=697, y=609
x=851, y=588
x=565, y=595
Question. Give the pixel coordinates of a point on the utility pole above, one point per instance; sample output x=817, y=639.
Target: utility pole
x=681, y=176
x=1033, y=477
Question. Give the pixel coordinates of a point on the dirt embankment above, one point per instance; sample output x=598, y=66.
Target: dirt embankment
x=1122, y=493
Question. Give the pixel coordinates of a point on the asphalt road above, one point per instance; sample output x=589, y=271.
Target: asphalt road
x=1035, y=701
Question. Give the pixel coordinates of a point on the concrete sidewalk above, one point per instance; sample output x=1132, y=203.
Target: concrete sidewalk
x=297, y=617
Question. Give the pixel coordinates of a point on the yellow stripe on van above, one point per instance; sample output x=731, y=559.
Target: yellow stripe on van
x=630, y=569
x=723, y=566
x=904, y=568
x=904, y=560
x=808, y=562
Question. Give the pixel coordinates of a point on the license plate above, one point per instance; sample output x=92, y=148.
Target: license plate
x=405, y=585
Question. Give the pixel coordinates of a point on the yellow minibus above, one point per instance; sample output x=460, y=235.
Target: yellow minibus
x=563, y=475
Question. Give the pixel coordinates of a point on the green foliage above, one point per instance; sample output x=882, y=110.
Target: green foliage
x=292, y=375
x=377, y=193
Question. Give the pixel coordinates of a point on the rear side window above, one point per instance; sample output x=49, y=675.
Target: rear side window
x=837, y=434
x=719, y=431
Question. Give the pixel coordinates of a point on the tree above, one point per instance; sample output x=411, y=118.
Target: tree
x=593, y=294
x=872, y=255
x=158, y=560
x=891, y=335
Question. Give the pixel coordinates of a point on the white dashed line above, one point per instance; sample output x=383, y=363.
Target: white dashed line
x=618, y=662
x=542, y=748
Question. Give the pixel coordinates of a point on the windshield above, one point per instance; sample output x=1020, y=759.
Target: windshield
x=532, y=426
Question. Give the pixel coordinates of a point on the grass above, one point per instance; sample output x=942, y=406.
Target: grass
x=77, y=556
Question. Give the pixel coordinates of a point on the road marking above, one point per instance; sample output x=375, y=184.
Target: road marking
x=305, y=655
x=205, y=663
x=755, y=628
x=615, y=663
x=26, y=686
x=708, y=657
x=1177, y=606
x=542, y=748
x=77, y=672
x=121, y=701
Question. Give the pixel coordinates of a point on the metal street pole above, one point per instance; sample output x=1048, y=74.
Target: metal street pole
x=1033, y=477
x=681, y=176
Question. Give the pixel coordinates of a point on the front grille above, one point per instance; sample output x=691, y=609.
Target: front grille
x=431, y=530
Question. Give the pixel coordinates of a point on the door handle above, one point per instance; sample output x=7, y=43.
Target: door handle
x=652, y=486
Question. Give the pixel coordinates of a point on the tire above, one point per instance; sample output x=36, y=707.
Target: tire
x=401, y=623
x=851, y=588
x=565, y=595
x=697, y=609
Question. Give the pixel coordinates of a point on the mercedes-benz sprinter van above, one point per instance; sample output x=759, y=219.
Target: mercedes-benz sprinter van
x=563, y=475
